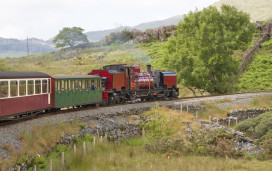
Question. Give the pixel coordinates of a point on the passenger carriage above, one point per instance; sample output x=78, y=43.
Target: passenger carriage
x=77, y=90
x=24, y=93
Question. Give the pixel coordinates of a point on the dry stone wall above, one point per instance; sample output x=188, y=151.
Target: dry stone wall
x=236, y=116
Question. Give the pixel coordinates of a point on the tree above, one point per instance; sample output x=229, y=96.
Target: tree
x=201, y=50
x=70, y=36
x=121, y=36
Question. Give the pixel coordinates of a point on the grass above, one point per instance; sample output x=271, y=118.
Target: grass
x=262, y=101
x=110, y=156
x=79, y=61
x=131, y=155
x=213, y=110
x=40, y=140
x=258, y=74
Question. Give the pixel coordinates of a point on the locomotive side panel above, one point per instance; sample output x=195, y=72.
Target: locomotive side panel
x=118, y=81
x=169, y=79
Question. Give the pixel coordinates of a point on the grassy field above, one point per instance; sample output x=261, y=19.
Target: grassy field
x=131, y=154
x=80, y=61
x=110, y=156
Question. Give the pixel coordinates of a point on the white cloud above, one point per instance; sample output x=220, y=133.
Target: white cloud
x=44, y=18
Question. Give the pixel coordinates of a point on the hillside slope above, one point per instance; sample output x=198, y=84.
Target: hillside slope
x=155, y=24
x=16, y=48
x=258, y=75
x=95, y=36
x=259, y=10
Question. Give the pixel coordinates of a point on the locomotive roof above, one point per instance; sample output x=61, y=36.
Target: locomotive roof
x=74, y=76
x=4, y=74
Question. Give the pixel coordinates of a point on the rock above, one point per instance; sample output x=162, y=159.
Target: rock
x=267, y=28
x=161, y=34
x=98, y=58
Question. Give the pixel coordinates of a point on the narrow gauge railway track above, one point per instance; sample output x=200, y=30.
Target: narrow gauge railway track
x=50, y=113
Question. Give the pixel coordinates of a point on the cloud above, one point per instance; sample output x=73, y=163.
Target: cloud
x=44, y=18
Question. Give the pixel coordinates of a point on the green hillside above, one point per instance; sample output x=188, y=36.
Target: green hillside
x=95, y=36
x=258, y=75
x=17, y=48
x=259, y=10
x=80, y=61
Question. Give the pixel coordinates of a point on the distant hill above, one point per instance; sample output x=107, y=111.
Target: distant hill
x=155, y=24
x=259, y=10
x=16, y=48
x=95, y=36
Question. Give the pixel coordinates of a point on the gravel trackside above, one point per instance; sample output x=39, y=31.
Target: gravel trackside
x=9, y=134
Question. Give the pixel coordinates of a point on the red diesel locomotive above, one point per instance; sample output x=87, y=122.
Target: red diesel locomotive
x=126, y=83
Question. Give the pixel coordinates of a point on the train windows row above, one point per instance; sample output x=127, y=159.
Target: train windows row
x=65, y=85
x=15, y=88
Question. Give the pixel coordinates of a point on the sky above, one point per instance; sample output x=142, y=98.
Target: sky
x=44, y=19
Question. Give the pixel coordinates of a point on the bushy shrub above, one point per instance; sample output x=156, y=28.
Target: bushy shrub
x=267, y=44
x=256, y=127
x=165, y=145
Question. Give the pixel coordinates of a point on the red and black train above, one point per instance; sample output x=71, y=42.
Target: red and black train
x=25, y=94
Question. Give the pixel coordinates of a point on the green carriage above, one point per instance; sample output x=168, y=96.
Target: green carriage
x=76, y=90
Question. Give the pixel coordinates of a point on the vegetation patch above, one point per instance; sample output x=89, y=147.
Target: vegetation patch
x=258, y=75
x=173, y=134
x=37, y=143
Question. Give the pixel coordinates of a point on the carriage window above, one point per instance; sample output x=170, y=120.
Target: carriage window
x=3, y=89
x=62, y=85
x=13, y=88
x=56, y=85
x=76, y=84
x=38, y=87
x=22, y=88
x=89, y=84
x=30, y=87
x=83, y=84
x=58, y=88
x=44, y=86
x=66, y=85
x=79, y=84
x=49, y=85
x=69, y=85
x=97, y=83
x=73, y=85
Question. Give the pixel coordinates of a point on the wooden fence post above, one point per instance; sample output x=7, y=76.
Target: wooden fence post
x=84, y=148
x=62, y=159
x=94, y=141
x=51, y=165
x=143, y=134
x=229, y=122
x=74, y=149
x=18, y=168
x=106, y=137
x=181, y=107
x=35, y=168
x=187, y=108
x=97, y=132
